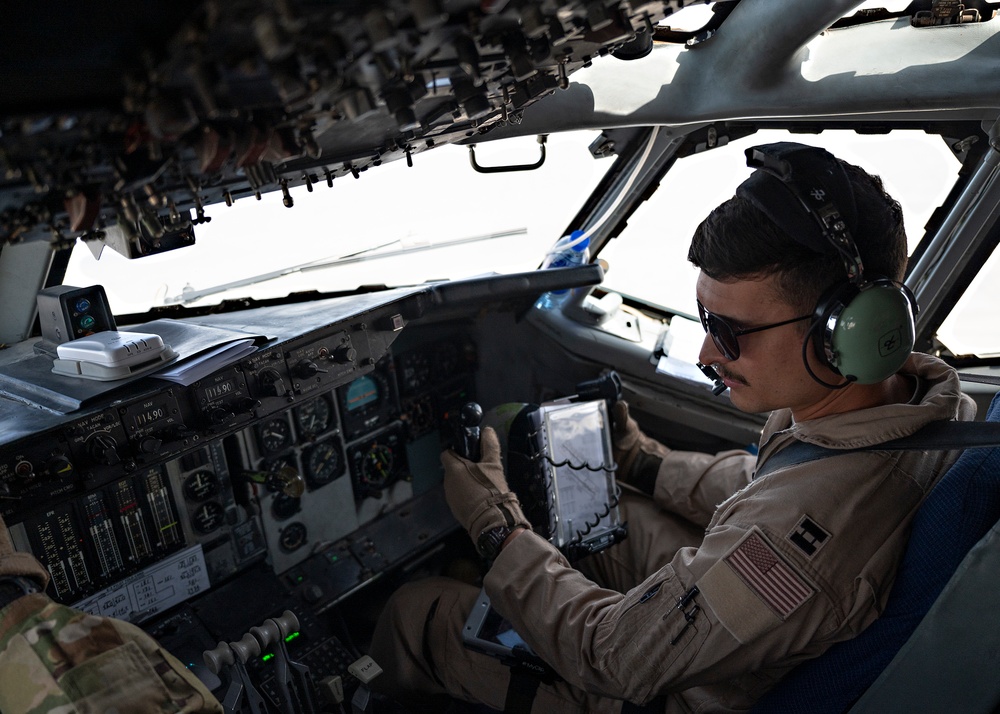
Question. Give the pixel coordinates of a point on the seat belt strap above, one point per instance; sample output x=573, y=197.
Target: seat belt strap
x=936, y=436
x=656, y=705
x=521, y=691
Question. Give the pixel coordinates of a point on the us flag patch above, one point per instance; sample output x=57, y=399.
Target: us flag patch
x=762, y=569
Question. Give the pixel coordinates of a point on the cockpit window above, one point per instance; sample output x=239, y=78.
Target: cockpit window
x=916, y=168
x=692, y=21
x=971, y=328
x=395, y=225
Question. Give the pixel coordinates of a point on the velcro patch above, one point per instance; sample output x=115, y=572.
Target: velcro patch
x=760, y=567
x=808, y=536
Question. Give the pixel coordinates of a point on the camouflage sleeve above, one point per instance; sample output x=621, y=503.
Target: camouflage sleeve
x=57, y=659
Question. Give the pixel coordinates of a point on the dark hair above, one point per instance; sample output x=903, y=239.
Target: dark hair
x=737, y=241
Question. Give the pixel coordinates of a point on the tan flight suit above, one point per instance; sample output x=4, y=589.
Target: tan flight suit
x=58, y=660
x=787, y=565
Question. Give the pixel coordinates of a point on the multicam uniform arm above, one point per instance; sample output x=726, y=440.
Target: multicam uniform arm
x=55, y=658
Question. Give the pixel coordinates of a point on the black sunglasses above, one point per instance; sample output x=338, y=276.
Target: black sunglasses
x=725, y=336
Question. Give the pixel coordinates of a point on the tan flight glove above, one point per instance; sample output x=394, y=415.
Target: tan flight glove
x=477, y=492
x=14, y=562
x=638, y=457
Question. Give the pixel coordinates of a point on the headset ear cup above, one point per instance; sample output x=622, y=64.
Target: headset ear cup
x=826, y=315
x=871, y=334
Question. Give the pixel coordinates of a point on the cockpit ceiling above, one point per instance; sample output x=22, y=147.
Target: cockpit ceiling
x=121, y=123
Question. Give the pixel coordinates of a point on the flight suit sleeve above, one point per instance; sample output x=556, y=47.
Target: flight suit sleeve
x=692, y=484
x=689, y=484
x=710, y=615
x=57, y=658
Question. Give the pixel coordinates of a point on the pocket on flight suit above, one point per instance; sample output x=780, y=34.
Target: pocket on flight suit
x=655, y=633
x=26, y=684
x=120, y=680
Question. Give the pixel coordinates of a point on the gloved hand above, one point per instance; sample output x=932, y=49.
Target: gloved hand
x=477, y=492
x=638, y=457
x=13, y=562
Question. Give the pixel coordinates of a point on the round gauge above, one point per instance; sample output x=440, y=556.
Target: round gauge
x=284, y=507
x=293, y=536
x=414, y=370
x=208, y=517
x=313, y=417
x=274, y=435
x=201, y=485
x=376, y=466
x=323, y=462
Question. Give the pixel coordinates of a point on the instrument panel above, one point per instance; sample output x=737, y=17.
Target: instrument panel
x=277, y=461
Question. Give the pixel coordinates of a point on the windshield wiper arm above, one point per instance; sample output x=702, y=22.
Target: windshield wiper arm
x=189, y=296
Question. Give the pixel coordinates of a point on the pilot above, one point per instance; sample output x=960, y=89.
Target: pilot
x=725, y=581
x=55, y=658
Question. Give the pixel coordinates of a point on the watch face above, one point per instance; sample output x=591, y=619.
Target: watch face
x=490, y=541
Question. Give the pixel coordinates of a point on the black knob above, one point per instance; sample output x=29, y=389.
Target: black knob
x=306, y=369
x=248, y=404
x=271, y=383
x=471, y=415
x=103, y=448
x=150, y=444
x=221, y=415
x=344, y=354
x=59, y=466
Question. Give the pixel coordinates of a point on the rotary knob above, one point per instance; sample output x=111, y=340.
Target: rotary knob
x=344, y=354
x=271, y=383
x=103, y=448
x=306, y=368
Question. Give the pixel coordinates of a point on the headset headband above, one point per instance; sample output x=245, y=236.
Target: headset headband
x=823, y=193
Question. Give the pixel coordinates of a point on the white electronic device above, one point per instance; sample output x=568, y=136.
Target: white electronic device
x=111, y=355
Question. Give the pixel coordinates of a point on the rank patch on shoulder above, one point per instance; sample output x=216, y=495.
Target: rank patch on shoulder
x=808, y=536
x=762, y=570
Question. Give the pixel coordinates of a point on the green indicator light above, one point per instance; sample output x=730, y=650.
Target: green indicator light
x=266, y=657
x=292, y=636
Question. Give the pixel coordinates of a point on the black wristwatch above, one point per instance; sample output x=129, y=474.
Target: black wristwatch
x=490, y=541
x=13, y=587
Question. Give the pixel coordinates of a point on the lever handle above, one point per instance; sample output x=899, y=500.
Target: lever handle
x=218, y=657
x=467, y=438
x=246, y=648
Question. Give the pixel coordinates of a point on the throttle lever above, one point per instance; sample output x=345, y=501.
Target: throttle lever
x=293, y=678
x=234, y=655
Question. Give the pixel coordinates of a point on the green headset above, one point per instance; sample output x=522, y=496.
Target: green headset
x=862, y=326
